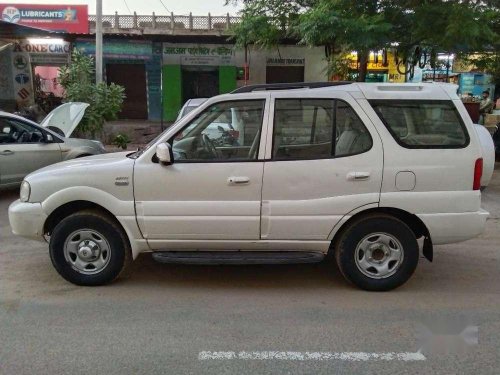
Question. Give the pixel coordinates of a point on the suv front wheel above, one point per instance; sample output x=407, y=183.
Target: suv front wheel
x=89, y=248
x=377, y=252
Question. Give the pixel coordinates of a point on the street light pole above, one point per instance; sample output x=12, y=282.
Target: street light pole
x=98, y=42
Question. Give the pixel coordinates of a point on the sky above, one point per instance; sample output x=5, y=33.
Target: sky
x=180, y=7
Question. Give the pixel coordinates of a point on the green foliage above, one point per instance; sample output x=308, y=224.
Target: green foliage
x=78, y=82
x=489, y=60
x=416, y=30
x=265, y=22
x=339, y=67
x=344, y=26
x=121, y=140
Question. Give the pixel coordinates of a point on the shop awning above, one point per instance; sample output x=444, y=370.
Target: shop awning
x=10, y=30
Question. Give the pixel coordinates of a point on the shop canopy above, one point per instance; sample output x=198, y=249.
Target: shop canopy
x=11, y=31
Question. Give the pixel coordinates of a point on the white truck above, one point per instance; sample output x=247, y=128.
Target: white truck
x=352, y=170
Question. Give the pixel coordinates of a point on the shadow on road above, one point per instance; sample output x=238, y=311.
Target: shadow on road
x=146, y=271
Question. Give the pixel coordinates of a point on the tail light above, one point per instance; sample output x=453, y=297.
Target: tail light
x=478, y=173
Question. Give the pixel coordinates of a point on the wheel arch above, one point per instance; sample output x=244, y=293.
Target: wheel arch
x=416, y=225
x=70, y=208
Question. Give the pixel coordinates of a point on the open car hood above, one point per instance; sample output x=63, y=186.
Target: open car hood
x=66, y=117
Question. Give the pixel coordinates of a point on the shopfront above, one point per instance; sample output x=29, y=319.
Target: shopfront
x=35, y=71
x=135, y=65
x=381, y=68
x=196, y=71
x=34, y=51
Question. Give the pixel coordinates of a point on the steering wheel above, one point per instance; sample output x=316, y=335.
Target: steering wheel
x=18, y=135
x=209, y=146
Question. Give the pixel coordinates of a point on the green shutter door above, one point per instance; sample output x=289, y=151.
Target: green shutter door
x=172, y=91
x=227, y=79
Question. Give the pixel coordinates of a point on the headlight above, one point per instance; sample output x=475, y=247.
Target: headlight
x=100, y=145
x=24, y=194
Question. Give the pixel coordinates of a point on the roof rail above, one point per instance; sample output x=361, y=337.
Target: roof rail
x=288, y=86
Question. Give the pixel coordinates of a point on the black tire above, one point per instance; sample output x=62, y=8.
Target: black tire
x=345, y=251
x=119, y=254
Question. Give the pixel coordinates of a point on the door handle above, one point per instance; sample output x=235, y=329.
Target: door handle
x=7, y=153
x=358, y=176
x=238, y=180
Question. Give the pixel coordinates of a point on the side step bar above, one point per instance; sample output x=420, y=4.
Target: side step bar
x=238, y=257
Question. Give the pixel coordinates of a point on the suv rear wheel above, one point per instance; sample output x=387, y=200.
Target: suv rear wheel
x=377, y=252
x=89, y=248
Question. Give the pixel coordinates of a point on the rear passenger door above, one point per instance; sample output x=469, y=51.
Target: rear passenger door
x=323, y=160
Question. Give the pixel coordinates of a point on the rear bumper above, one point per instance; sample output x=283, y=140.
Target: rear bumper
x=27, y=219
x=454, y=227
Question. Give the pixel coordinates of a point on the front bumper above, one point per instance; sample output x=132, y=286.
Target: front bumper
x=454, y=227
x=27, y=219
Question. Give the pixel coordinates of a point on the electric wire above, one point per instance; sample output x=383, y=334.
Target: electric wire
x=125, y=1
x=162, y=3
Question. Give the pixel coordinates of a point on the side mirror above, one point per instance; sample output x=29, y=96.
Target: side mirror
x=49, y=138
x=164, y=153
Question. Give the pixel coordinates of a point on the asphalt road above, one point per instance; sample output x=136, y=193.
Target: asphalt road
x=300, y=319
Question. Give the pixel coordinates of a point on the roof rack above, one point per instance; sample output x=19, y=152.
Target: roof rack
x=288, y=86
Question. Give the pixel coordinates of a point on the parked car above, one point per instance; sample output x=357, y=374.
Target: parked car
x=356, y=171
x=26, y=146
x=190, y=105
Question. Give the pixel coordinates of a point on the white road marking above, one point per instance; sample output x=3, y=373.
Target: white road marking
x=312, y=356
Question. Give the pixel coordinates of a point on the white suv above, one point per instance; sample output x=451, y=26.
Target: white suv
x=357, y=171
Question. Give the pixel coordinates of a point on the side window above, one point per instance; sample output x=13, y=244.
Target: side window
x=224, y=131
x=12, y=131
x=317, y=129
x=352, y=137
x=422, y=123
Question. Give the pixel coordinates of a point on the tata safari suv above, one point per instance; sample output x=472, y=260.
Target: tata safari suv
x=356, y=171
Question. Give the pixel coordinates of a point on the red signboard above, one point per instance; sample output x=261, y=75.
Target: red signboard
x=67, y=18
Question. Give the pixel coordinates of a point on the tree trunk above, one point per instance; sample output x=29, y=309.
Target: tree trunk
x=363, y=65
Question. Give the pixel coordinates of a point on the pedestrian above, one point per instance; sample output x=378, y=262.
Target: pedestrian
x=485, y=107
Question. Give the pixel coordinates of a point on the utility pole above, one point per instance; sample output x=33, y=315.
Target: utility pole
x=98, y=42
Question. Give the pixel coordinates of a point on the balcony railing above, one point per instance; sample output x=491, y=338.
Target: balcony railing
x=170, y=22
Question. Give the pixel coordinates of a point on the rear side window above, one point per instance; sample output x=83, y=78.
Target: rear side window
x=423, y=124
x=317, y=129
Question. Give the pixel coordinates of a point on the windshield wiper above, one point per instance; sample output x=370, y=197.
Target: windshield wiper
x=136, y=153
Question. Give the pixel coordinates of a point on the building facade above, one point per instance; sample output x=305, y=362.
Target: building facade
x=32, y=70
x=159, y=77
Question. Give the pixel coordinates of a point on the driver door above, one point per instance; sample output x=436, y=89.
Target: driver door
x=23, y=149
x=212, y=191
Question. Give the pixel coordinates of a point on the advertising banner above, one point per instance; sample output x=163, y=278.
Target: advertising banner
x=22, y=79
x=195, y=54
x=65, y=18
x=130, y=50
x=44, y=51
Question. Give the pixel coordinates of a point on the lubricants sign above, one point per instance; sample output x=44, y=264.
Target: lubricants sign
x=66, y=18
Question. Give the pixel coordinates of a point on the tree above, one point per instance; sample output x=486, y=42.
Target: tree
x=105, y=101
x=416, y=30
x=489, y=59
x=422, y=29
x=344, y=25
